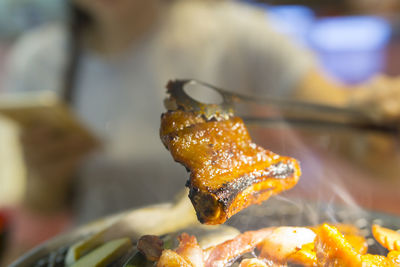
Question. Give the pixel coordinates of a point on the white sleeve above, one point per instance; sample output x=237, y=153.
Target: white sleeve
x=37, y=61
x=273, y=62
x=279, y=62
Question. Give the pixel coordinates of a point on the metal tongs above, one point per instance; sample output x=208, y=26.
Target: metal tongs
x=217, y=104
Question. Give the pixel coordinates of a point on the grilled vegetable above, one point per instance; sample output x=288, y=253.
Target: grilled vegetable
x=105, y=254
x=82, y=247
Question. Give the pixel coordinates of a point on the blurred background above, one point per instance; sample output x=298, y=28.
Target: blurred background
x=366, y=30
x=353, y=40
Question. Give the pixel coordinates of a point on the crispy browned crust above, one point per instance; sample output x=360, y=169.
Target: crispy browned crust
x=228, y=171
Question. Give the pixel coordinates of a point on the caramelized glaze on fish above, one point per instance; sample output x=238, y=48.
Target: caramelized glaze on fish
x=228, y=172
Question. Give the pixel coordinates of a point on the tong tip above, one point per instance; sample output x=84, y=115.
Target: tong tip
x=179, y=98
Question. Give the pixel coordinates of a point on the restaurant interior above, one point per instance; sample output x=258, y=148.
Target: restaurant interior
x=345, y=160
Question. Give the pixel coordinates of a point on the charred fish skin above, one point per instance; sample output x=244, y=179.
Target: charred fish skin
x=228, y=172
x=218, y=205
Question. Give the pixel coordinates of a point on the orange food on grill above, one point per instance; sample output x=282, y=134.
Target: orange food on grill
x=370, y=260
x=170, y=258
x=394, y=257
x=347, y=229
x=253, y=263
x=277, y=246
x=228, y=171
x=305, y=256
x=359, y=243
x=386, y=237
x=333, y=249
x=284, y=241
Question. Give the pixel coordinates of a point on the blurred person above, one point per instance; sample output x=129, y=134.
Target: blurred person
x=111, y=63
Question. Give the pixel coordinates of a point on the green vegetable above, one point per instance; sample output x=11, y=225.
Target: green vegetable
x=77, y=250
x=105, y=254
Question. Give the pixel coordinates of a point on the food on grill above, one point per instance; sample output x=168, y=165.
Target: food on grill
x=358, y=243
x=386, y=237
x=227, y=251
x=151, y=246
x=190, y=250
x=333, y=245
x=79, y=249
x=323, y=246
x=284, y=241
x=171, y=259
x=228, y=171
x=105, y=254
x=332, y=248
x=252, y=263
x=304, y=256
x=394, y=257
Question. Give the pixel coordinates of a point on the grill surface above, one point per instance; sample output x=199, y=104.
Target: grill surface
x=277, y=211
x=296, y=212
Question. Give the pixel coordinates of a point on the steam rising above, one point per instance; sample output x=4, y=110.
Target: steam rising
x=324, y=185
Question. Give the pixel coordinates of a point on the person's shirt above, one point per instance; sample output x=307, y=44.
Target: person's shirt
x=222, y=43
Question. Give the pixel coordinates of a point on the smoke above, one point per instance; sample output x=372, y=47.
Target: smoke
x=325, y=187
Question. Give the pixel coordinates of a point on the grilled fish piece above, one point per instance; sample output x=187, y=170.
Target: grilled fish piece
x=228, y=172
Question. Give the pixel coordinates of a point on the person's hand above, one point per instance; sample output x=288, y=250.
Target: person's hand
x=52, y=157
x=380, y=99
